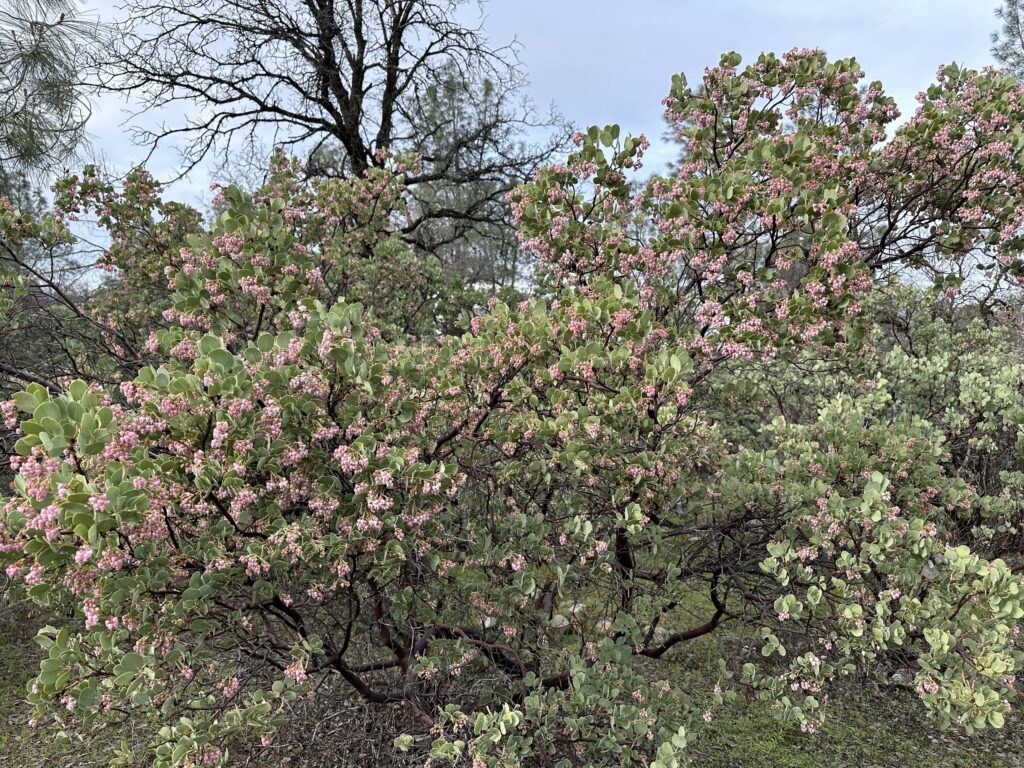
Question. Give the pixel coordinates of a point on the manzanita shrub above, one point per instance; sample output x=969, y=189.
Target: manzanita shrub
x=287, y=240
x=505, y=533
x=948, y=361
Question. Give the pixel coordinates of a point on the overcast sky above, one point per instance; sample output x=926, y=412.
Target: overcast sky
x=605, y=61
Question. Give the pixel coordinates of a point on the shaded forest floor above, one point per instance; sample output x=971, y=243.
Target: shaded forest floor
x=866, y=727
x=22, y=746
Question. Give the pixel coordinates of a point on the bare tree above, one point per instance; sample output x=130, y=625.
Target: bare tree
x=342, y=82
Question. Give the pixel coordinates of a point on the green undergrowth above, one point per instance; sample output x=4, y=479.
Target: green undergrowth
x=21, y=746
x=867, y=726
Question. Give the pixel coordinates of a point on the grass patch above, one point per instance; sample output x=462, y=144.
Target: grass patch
x=866, y=726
